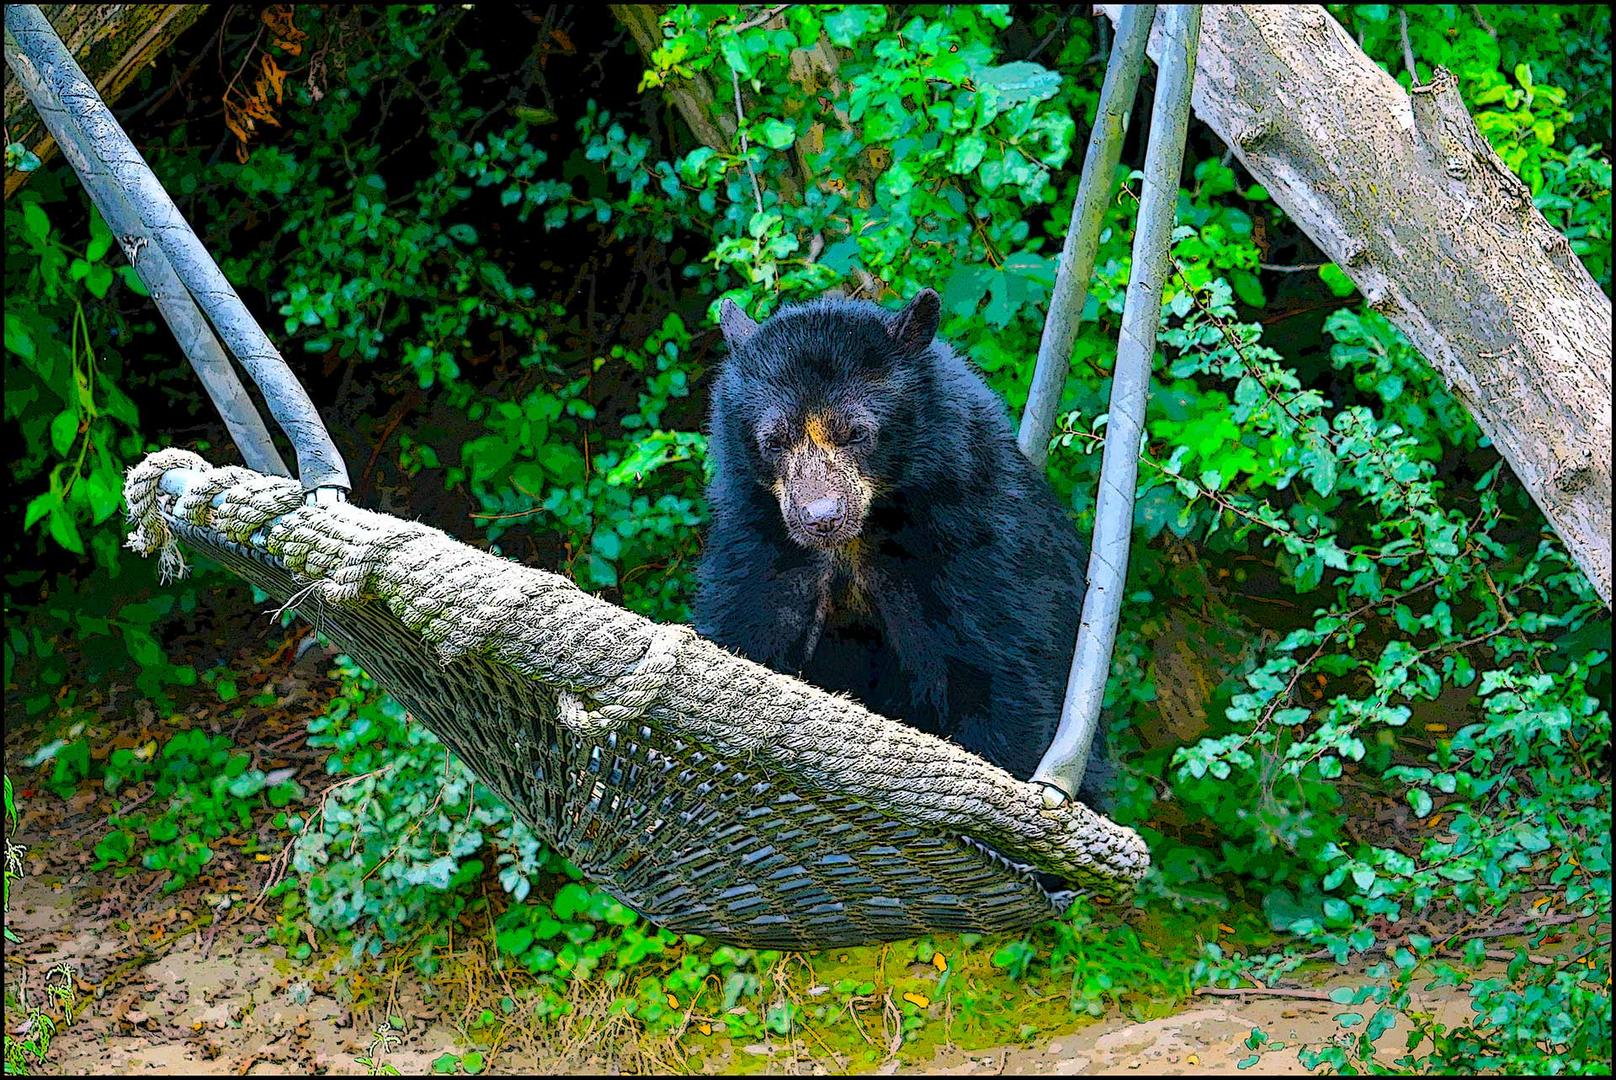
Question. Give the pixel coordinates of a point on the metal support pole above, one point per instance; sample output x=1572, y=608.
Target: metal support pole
x=1061, y=769
x=107, y=161
x=197, y=340
x=1076, y=265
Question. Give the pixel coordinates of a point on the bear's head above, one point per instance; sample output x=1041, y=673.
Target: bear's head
x=818, y=402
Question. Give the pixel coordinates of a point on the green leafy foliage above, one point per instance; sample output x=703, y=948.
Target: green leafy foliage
x=201, y=788
x=1400, y=704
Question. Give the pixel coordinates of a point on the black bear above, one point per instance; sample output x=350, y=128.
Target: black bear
x=875, y=529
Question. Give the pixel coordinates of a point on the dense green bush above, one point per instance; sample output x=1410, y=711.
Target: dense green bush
x=1425, y=646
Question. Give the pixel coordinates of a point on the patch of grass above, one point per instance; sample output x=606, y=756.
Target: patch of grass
x=697, y=1007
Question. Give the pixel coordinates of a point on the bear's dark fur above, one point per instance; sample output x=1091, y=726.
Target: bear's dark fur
x=950, y=598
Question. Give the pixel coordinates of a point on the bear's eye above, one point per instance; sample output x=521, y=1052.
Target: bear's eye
x=773, y=442
x=858, y=435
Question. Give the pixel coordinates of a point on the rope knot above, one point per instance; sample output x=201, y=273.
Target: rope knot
x=149, y=533
x=623, y=698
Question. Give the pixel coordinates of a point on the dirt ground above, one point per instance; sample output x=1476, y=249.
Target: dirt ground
x=228, y=1002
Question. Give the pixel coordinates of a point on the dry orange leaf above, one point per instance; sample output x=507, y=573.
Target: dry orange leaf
x=939, y=962
x=918, y=1000
x=705, y=1029
x=673, y=1002
x=274, y=76
x=279, y=20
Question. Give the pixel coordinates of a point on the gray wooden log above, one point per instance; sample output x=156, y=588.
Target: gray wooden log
x=1402, y=192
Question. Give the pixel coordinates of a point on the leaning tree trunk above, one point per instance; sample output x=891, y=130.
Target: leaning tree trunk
x=1404, y=194
x=112, y=43
x=708, y=113
x=693, y=97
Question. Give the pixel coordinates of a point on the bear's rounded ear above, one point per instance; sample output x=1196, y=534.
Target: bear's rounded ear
x=737, y=325
x=915, y=326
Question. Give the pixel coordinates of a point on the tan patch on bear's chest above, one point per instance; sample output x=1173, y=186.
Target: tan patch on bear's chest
x=850, y=586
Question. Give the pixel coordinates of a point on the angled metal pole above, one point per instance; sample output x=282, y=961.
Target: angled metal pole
x=1061, y=770
x=197, y=340
x=1076, y=265
x=68, y=104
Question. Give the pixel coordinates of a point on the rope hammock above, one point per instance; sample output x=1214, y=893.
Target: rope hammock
x=704, y=791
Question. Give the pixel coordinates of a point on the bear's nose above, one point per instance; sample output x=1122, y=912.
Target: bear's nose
x=822, y=516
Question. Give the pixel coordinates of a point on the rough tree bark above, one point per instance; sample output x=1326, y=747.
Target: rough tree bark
x=1403, y=193
x=111, y=42
x=692, y=97
x=813, y=70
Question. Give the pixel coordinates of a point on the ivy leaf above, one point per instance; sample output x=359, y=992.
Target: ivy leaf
x=34, y=222
x=64, y=431
x=18, y=339
x=852, y=22
x=608, y=545
x=602, y=571
x=1011, y=84
x=564, y=462
x=22, y=159
x=132, y=282
x=1247, y=287
x=1380, y=1023
x=102, y=490
x=1338, y=282
x=100, y=238
x=1285, y=909
x=44, y=503
x=99, y=280
x=1321, y=466
x=967, y=154
x=1308, y=573
x=571, y=899
x=775, y=134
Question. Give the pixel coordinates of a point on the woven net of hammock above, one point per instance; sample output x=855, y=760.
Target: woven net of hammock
x=702, y=790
